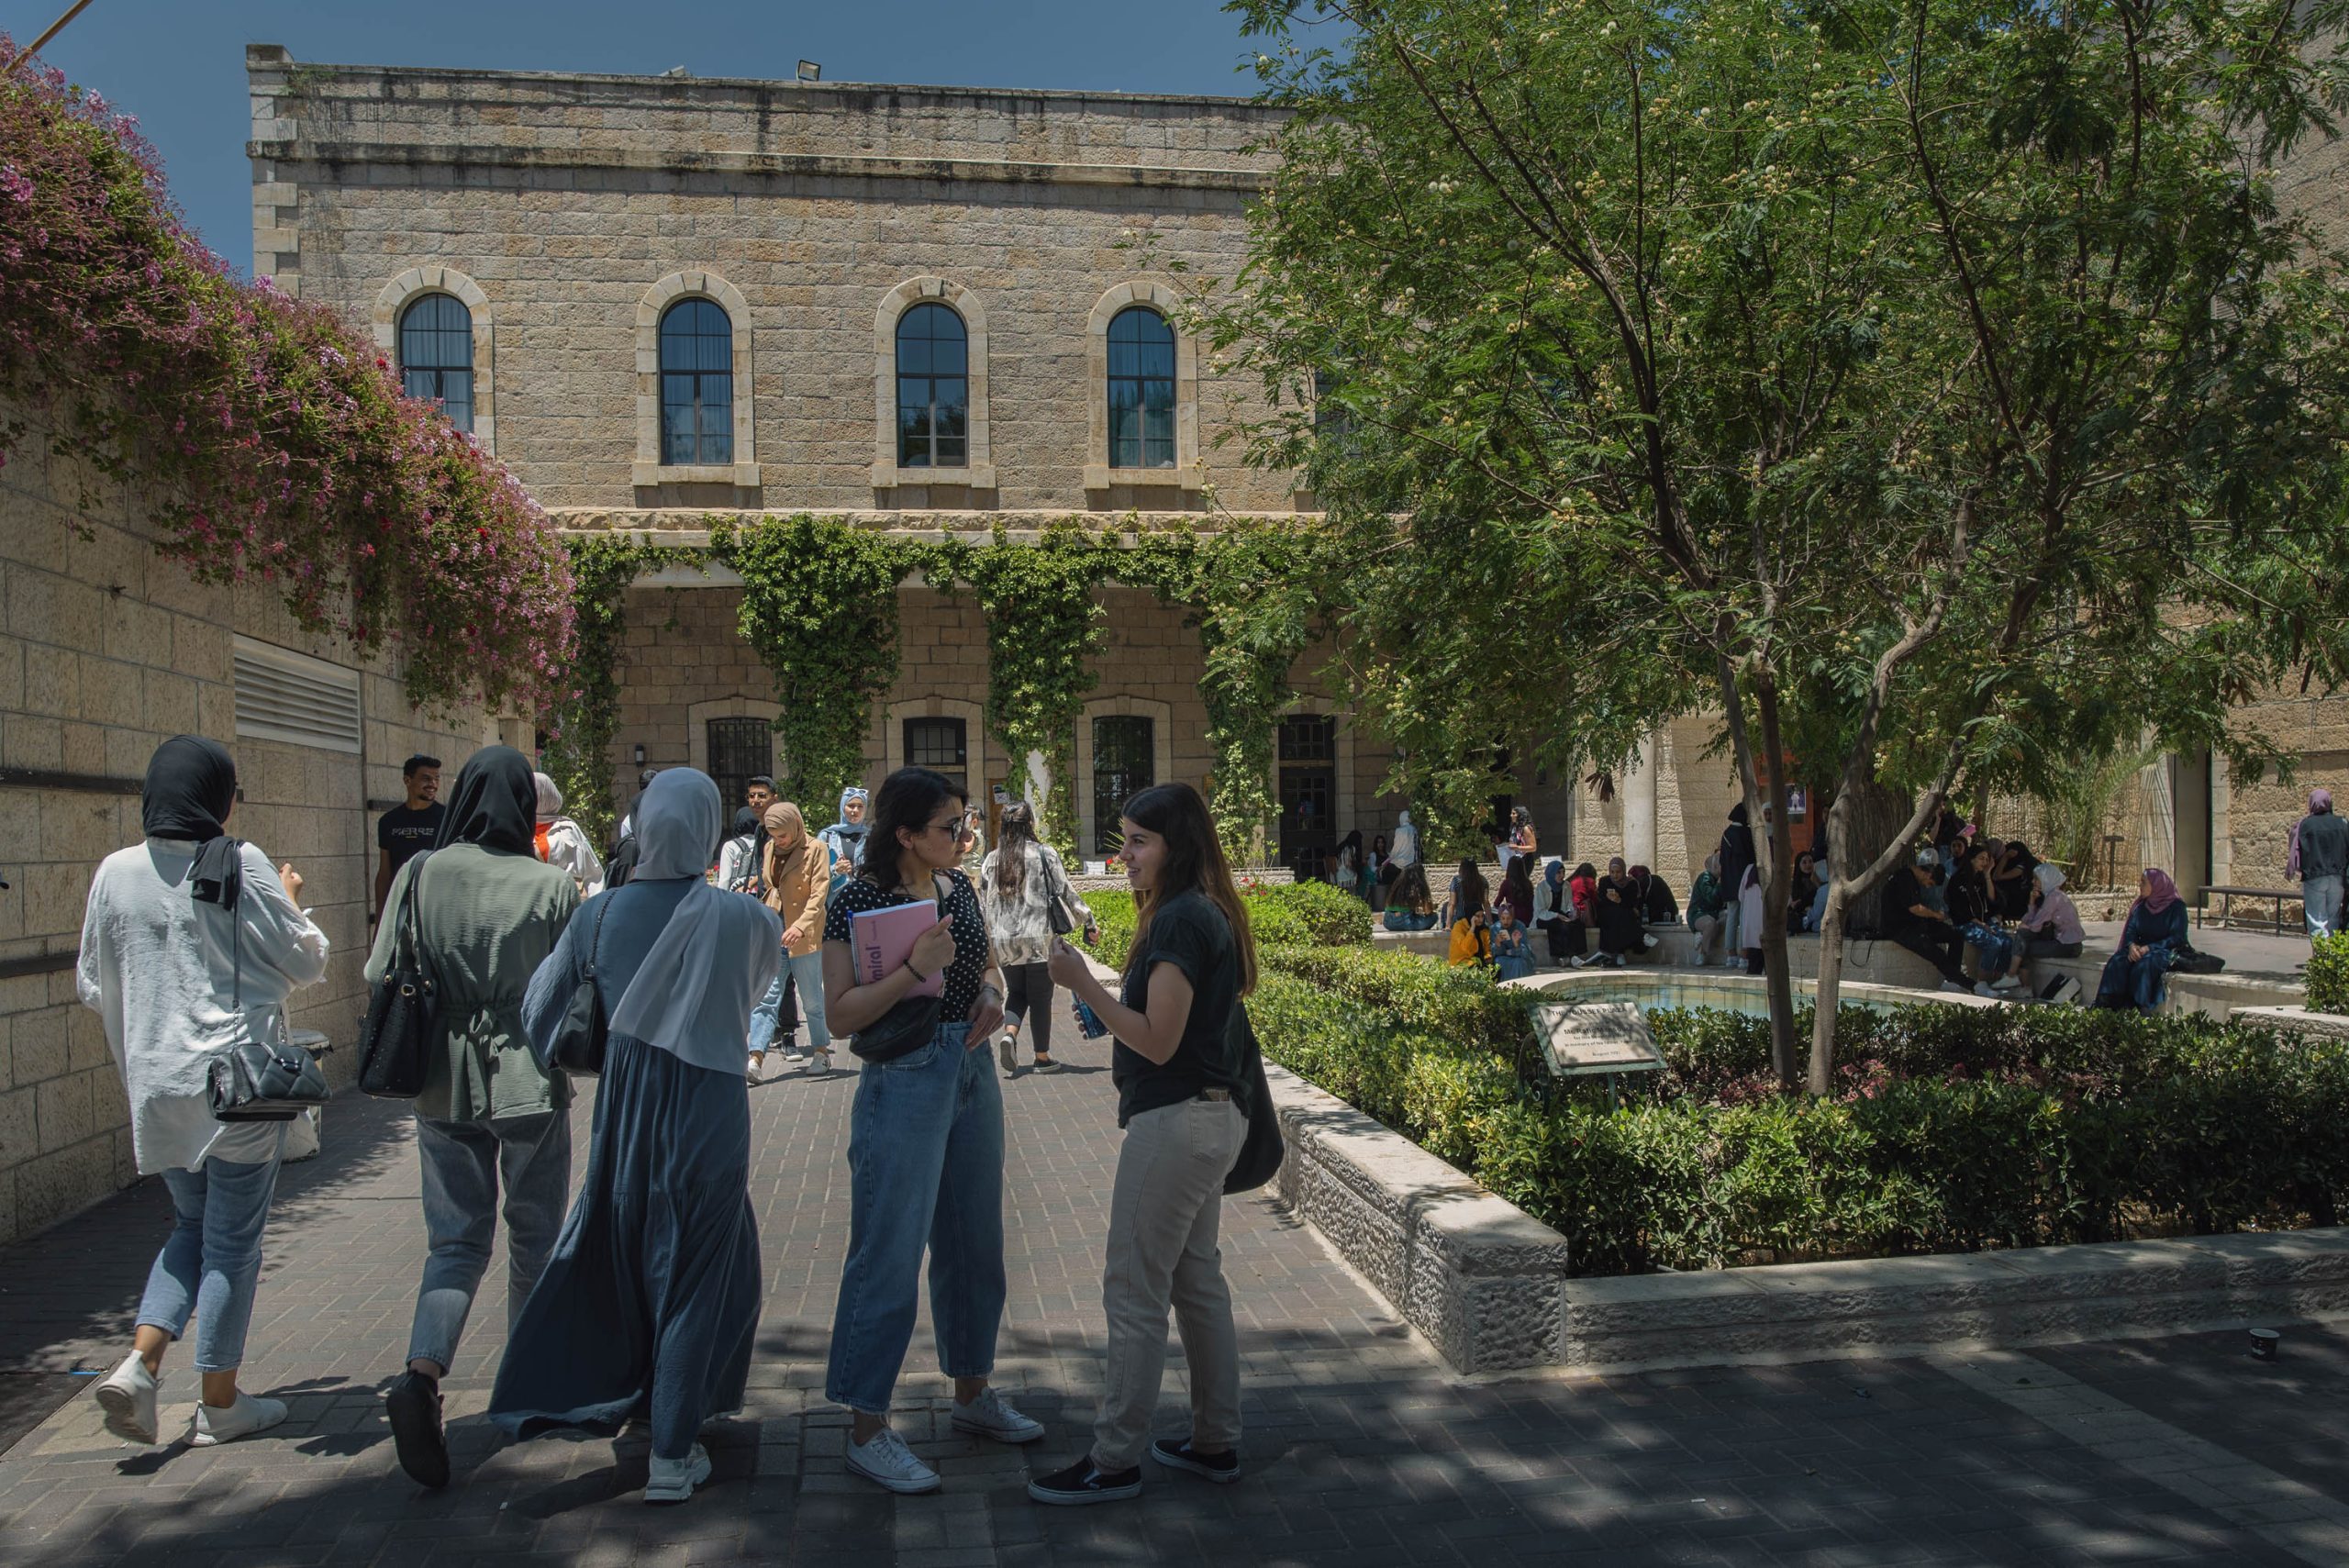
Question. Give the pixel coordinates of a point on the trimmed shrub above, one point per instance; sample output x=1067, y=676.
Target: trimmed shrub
x=2328, y=973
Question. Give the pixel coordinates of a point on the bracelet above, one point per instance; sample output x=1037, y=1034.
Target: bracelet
x=920, y=978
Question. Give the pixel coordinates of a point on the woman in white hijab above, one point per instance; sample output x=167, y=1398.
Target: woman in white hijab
x=562, y=843
x=1405, y=848
x=647, y=1305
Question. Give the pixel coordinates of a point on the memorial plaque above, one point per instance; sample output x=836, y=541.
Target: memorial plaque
x=1596, y=1036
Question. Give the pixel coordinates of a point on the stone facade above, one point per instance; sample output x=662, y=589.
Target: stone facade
x=106, y=650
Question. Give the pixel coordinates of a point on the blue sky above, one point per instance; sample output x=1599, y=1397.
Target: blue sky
x=179, y=65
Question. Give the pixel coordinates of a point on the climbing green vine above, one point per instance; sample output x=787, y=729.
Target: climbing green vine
x=1043, y=628
x=578, y=751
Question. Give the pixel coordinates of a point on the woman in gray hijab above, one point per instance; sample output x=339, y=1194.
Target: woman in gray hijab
x=648, y=1305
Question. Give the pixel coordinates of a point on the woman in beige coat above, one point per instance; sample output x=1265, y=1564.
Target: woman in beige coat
x=795, y=870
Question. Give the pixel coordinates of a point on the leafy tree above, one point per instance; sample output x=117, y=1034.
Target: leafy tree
x=1921, y=385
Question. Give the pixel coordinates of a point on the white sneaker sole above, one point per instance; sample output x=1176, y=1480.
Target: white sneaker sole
x=199, y=1437
x=1081, y=1499
x=904, y=1486
x=1034, y=1432
x=122, y=1407
x=679, y=1490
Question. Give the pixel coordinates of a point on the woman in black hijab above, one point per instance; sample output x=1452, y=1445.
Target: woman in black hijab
x=190, y=945
x=486, y=913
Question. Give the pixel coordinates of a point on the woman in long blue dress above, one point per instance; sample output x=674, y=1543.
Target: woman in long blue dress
x=2156, y=929
x=650, y=1302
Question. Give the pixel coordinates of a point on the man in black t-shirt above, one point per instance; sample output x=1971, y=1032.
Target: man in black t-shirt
x=407, y=831
x=1914, y=916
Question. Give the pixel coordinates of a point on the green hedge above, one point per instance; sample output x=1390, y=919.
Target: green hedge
x=1303, y=915
x=1960, y=1129
x=2328, y=975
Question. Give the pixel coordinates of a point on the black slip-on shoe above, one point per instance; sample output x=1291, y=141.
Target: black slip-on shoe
x=1085, y=1481
x=1221, y=1468
x=413, y=1405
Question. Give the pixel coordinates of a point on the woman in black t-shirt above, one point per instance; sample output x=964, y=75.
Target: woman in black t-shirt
x=925, y=1148
x=1183, y=1089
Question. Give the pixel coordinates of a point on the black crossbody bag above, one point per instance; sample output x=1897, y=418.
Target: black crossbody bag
x=402, y=1009
x=909, y=1024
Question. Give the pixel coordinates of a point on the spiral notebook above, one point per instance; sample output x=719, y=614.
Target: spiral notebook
x=879, y=939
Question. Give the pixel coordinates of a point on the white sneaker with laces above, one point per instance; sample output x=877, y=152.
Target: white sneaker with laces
x=673, y=1480
x=249, y=1415
x=1983, y=988
x=127, y=1396
x=886, y=1460
x=991, y=1415
x=2007, y=982
x=819, y=1062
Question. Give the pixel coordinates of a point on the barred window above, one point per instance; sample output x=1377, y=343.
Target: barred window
x=697, y=385
x=437, y=355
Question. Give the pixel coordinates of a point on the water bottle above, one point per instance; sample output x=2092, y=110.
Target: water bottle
x=1088, y=1022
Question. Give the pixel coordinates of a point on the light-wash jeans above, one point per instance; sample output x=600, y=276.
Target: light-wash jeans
x=2321, y=904
x=1163, y=1253
x=806, y=973
x=462, y=1163
x=925, y=1159
x=212, y=1258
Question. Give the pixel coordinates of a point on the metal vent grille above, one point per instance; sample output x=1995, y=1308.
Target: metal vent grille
x=289, y=697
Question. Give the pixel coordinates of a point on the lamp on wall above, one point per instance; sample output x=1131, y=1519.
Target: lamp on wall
x=639, y=756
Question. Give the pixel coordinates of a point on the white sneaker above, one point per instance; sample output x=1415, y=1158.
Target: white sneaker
x=757, y=1068
x=673, y=1480
x=127, y=1396
x=888, y=1462
x=2007, y=982
x=1983, y=988
x=991, y=1415
x=820, y=1062
x=249, y=1415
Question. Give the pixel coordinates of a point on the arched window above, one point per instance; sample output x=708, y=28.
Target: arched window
x=697, y=385
x=1141, y=390
x=933, y=389
x=437, y=355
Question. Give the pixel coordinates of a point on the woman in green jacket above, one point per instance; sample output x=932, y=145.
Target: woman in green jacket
x=487, y=911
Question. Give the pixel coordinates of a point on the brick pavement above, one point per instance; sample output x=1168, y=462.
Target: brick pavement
x=1362, y=1449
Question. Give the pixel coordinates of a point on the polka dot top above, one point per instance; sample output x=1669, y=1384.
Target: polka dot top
x=963, y=976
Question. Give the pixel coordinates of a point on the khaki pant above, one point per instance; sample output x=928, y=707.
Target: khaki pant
x=1163, y=1253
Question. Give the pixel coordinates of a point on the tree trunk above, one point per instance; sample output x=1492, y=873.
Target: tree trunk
x=1862, y=822
x=1774, y=853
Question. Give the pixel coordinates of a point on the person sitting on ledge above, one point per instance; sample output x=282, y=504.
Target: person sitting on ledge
x=2135, y=973
x=1915, y=916
x=1512, y=952
x=1467, y=915
x=1410, y=907
x=1657, y=905
x=2052, y=927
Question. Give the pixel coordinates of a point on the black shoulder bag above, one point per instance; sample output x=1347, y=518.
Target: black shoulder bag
x=402, y=1009
x=1057, y=897
x=584, y=1034
x=261, y=1080
x=1262, y=1151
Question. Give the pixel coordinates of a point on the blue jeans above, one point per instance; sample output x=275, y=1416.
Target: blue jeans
x=925, y=1157
x=1995, y=947
x=806, y=973
x=212, y=1258
x=462, y=1161
x=2321, y=904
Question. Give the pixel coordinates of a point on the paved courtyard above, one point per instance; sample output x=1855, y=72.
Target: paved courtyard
x=1362, y=1450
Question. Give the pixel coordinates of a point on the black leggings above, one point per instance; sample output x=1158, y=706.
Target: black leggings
x=1028, y=993
x=1940, y=946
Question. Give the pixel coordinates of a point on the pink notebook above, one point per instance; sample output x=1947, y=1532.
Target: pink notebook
x=879, y=939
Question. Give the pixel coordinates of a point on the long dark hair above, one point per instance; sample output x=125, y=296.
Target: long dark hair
x=1195, y=863
x=1473, y=894
x=906, y=799
x=1412, y=890
x=1515, y=883
x=1017, y=831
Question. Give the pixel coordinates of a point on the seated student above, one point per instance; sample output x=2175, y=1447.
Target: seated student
x=1409, y=906
x=2052, y=926
x=2135, y=973
x=1974, y=910
x=2014, y=878
x=1798, y=896
x=1707, y=901
x=1517, y=890
x=1657, y=904
x=1816, y=910
x=1511, y=944
x=1621, y=929
x=1915, y=914
x=1555, y=915
x=1467, y=915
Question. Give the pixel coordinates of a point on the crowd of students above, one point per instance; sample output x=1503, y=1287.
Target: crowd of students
x=637, y=1299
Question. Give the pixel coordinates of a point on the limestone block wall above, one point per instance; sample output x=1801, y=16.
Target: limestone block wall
x=104, y=651
x=561, y=203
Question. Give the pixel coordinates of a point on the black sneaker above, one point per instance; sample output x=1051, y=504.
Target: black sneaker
x=413, y=1405
x=1221, y=1468
x=1084, y=1482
